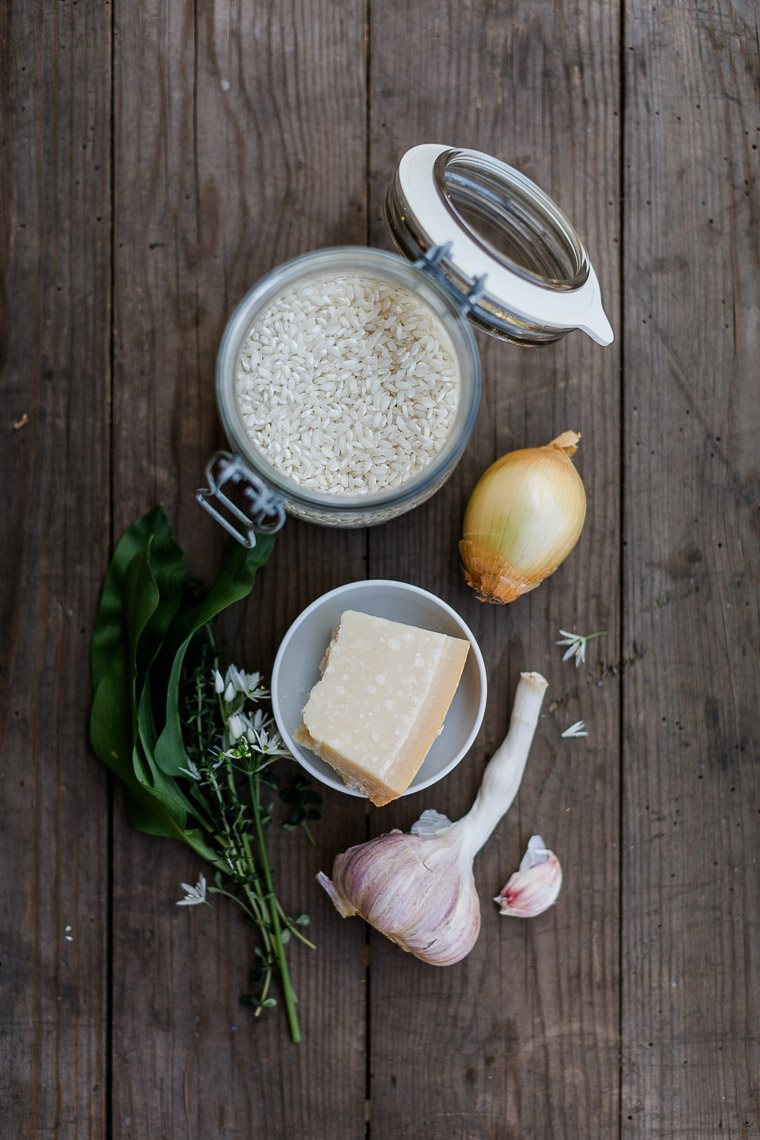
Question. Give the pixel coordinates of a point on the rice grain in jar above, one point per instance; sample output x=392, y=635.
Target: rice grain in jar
x=364, y=385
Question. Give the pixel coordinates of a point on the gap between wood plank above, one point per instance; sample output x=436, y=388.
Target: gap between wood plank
x=110, y=781
x=367, y=836
x=621, y=517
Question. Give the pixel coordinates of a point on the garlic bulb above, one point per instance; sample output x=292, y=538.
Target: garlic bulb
x=523, y=518
x=536, y=886
x=418, y=889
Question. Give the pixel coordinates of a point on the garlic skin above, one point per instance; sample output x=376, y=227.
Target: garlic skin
x=418, y=889
x=388, y=883
x=523, y=518
x=536, y=886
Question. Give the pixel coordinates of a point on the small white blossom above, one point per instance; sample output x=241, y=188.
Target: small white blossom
x=575, y=730
x=229, y=692
x=270, y=743
x=193, y=895
x=236, y=726
x=233, y=677
x=577, y=643
x=218, y=682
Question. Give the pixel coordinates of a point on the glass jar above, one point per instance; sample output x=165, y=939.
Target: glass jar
x=481, y=245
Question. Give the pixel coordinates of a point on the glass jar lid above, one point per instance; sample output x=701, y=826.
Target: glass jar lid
x=497, y=242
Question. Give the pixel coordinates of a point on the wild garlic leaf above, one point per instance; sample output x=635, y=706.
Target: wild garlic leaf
x=107, y=632
x=129, y=604
x=167, y=564
x=148, y=772
x=140, y=602
x=111, y=738
x=237, y=570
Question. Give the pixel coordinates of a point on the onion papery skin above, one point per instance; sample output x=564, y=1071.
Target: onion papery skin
x=524, y=517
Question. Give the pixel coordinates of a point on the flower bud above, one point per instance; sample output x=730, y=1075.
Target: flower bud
x=236, y=727
x=536, y=886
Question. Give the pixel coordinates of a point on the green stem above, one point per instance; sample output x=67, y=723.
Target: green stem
x=287, y=985
x=293, y=928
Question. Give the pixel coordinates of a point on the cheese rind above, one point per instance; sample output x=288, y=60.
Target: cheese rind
x=382, y=700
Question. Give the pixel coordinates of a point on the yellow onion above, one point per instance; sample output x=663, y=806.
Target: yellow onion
x=523, y=518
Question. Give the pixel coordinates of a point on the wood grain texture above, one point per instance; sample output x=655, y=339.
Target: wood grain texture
x=54, y=380
x=239, y=143
x=242, y=135
x=691, y=931
x=520, y=1039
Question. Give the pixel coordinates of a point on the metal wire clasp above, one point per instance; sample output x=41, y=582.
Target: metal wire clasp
x=267, y=513
x=430, y=261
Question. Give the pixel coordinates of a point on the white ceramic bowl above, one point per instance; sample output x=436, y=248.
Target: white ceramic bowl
x=296, y=671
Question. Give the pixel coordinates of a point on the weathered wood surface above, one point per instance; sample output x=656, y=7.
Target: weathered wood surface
x=55, y=205
x=159, y=159
x=229, y=158
x=535, y=1006
x=691, y=806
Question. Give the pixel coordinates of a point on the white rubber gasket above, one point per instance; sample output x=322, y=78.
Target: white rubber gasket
x=563, y=309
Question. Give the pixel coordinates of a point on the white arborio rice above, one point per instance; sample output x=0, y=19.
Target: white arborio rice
x=347, y=384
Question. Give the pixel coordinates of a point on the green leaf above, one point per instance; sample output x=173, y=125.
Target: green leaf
x=167, y=564
x=108, y=630
x=111, y=736
x=131, y=600
x=163, y=788
x=140, y=602
x=234, y=581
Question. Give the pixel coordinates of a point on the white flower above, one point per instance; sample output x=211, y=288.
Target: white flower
x=236, y=726
x=193, y=895
x=233, y=677
x=271, y=744
x=577, y=643
x=250, y=684
x=229, y=692
x=218, y=682
x=575, y=730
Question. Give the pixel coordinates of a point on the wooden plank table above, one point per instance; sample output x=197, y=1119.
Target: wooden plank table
x=158, y=159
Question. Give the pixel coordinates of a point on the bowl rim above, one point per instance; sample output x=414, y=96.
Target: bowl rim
x=405, y=587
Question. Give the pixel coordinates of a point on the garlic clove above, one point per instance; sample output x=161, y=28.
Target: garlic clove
x=536, y=886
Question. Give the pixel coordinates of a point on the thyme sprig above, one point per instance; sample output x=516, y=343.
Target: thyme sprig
x=231, y=746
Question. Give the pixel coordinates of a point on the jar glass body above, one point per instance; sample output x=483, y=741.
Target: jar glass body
x=336, y=509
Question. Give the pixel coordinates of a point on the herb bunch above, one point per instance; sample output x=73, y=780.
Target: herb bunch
x=231, y=749
x=190, y=746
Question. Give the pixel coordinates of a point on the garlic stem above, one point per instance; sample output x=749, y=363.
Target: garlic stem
x=504, y=771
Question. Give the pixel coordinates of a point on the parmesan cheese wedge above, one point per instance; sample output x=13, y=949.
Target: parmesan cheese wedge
x=381, y=702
